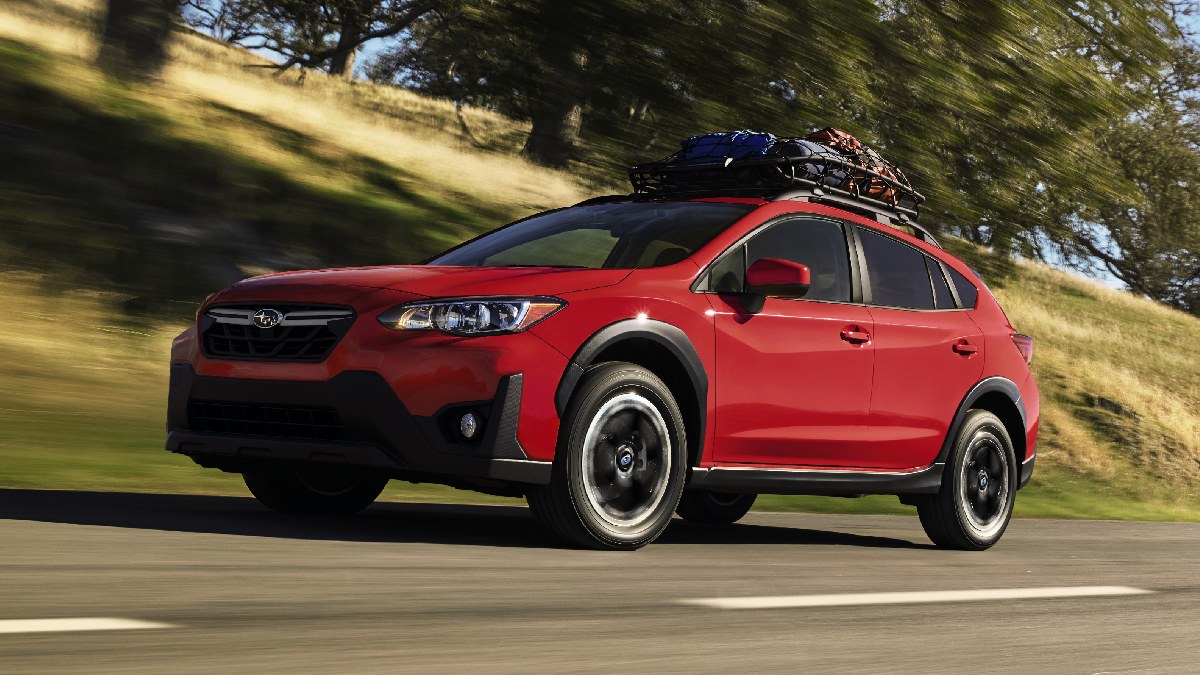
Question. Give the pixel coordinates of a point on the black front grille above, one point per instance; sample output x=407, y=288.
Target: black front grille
x=254, y=419
x=226, y=337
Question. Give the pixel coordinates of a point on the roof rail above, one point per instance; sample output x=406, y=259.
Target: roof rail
x=862, y=206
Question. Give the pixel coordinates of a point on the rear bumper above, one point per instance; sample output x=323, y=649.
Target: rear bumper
x=379, y=432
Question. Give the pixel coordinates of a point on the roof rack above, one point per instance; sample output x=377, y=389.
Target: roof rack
x=814, y=178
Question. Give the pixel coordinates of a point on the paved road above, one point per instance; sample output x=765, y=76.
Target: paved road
x=478, y=589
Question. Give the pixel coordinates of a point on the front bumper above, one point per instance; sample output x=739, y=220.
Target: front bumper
x=1026, y=472
x=379, y=432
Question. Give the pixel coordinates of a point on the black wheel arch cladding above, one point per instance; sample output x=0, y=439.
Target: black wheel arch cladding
x=668, y=340
x=991, y=390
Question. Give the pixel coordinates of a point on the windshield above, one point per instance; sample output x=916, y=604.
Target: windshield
x=601, y=236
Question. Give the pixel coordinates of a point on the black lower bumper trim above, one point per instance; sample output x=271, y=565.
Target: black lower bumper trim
x=249, y=452
x=380, y=433
x=810, y=482
x=255, y=448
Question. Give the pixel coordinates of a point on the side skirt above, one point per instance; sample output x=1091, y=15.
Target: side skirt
x=816, y=482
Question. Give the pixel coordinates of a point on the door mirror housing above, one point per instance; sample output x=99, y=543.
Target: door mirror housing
x=778, y=278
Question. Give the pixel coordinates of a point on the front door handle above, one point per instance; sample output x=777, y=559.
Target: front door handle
x=965, y=348
x=855, y=335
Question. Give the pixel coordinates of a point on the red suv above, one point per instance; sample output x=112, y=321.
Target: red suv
x=625, y=359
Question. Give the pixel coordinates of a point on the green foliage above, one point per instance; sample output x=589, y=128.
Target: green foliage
x=1150, y=238
x=545, y=60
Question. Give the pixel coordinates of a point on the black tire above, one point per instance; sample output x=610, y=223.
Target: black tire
x=620, y=462
x=330, y=491
x=717, y=508
x=979, y=487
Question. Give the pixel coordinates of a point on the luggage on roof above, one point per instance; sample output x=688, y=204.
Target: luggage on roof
x=738, y=162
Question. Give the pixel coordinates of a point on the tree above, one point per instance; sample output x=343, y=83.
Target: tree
x=135, y=33
x=1149, y=237
x=556, y=63
x=307, y=33
x=996, y=109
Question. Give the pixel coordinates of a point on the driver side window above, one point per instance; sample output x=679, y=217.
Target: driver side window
x=819, y=244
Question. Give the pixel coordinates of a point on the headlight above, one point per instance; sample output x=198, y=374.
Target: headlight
x=471, y=316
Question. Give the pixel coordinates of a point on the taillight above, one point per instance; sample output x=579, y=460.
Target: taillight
x=1024, y=345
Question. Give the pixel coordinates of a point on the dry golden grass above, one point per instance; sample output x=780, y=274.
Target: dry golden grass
x=62, y=27
x=331, y=113
x=1119, y=375
x=66, y=350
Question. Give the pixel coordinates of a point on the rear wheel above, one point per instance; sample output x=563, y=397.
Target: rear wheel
x=979, y=485
x=315, y=490
x=620, y=462
x=720, y=508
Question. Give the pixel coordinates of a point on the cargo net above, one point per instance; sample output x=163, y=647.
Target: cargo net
x=741, y=161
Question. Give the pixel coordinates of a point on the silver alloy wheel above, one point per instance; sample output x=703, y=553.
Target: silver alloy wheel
x=984, y=484
x=626, y=460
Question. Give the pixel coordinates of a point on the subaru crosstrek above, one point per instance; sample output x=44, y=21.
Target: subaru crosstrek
x=625, y=359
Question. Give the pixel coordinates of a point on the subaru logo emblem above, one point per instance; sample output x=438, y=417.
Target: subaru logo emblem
x=267, y=318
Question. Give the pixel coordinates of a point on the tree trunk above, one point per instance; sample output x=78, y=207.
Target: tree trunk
x=554, y=133
x=135, y=36
x=342, y=65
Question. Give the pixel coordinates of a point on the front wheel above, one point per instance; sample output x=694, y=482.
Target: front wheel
x=620, y=462
x=978, y=490
x=331, y=491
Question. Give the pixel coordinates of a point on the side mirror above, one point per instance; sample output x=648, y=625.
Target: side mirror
x=778, y=278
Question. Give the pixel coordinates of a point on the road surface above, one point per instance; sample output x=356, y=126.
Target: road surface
x=95, y=582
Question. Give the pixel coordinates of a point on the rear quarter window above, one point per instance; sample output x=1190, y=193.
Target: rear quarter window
x=968, y=294
x=941, y=290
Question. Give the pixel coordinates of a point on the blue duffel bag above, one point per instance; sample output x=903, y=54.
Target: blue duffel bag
x=724, y=145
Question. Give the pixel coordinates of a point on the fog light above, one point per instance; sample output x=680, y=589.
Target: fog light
x=468, y=425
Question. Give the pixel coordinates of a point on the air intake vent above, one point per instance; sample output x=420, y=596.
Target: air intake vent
x=249, y=419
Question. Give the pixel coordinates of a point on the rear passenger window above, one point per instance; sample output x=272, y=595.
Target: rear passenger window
x=898, y=274
x=820, y=244
x=967, y=293
x=941, y=290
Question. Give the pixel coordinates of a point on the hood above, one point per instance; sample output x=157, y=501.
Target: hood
x=442, y=282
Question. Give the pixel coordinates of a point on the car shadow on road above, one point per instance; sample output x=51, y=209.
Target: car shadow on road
x=462, y=524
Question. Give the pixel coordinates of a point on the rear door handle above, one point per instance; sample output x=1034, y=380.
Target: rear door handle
x=856, y=336
x=965, y=347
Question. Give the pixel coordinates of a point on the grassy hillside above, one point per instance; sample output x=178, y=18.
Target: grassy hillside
x=122, y=206
x=222, y=170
